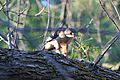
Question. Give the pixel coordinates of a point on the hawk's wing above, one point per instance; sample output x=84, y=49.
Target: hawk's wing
x=54, y=35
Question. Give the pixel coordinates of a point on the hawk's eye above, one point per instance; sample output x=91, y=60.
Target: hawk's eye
x=70, y=33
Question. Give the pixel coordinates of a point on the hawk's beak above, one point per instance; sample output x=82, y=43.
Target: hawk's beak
x=75, y=36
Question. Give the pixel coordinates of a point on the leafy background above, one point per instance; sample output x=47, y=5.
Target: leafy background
x=79, y=13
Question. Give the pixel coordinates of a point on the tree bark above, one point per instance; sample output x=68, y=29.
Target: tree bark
x=46, y=65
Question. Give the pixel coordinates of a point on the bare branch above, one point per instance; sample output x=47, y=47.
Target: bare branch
x=2, y=5
x=112, y=41
x=48, y=22
x=3, y=38
x=101, y=3
x=41, y=8
x=90, y=22
x=106, y=48
x=115, y=9
x=64, y=12
x=9, y=32
x=40, y=11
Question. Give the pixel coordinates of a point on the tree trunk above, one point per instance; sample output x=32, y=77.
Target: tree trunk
x=44, y=65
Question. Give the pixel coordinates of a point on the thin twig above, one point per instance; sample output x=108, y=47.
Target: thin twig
x=40, y=11
x=3, y=38
x=21, y=13
x=101, y=4
x=18, y=20
x=64, y=13
x=106, y=48
x=112, y=41
x=41, y=8
x=90, y=22
x=9, y=32
x=48, y=22
x=2, y=5
x=2, y=8
x=115, y=9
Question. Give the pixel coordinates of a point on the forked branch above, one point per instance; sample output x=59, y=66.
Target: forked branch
x=112, y=41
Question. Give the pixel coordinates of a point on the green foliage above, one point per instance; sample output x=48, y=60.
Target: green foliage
x=79, y=13
x=87, y=48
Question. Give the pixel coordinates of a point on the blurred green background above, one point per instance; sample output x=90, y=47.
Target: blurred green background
x=30, y=29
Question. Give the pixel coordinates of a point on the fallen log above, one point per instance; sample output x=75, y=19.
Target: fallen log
x=46, y=65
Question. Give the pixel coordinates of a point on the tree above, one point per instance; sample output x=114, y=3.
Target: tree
x=44, y=65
